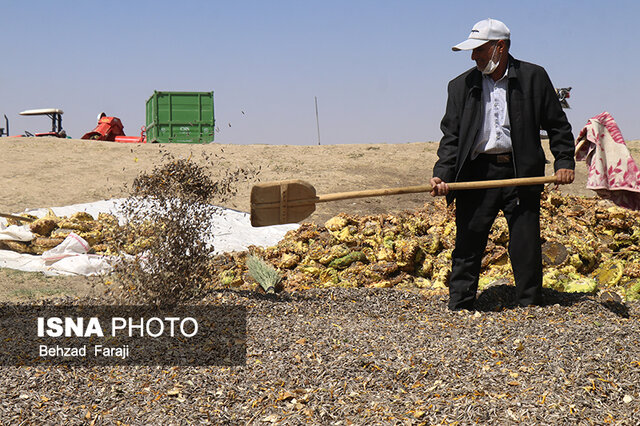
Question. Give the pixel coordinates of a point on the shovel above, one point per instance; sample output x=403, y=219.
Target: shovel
x=10, y=216
x=290, y=201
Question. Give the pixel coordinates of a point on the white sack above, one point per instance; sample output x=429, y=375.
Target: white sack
x=15, y=233
x=71, y=257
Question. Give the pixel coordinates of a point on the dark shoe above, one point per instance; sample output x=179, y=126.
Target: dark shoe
x=540, y=301
x=459, y=306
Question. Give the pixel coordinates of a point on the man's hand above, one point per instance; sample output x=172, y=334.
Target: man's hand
x=564, y=176
x=438, y=187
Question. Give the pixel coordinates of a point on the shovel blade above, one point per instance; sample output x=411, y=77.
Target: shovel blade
x=276, y=203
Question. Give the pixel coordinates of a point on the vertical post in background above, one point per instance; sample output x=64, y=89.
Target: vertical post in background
x=317, y=119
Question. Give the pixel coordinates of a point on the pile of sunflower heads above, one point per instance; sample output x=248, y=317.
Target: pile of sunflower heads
x=100, y=233
x=588, y=245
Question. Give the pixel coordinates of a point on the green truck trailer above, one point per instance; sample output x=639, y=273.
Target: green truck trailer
x=180, y=117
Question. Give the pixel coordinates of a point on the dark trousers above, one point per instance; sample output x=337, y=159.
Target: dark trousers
x=476, y=210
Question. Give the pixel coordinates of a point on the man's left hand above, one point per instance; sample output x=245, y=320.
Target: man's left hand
x=564, y=176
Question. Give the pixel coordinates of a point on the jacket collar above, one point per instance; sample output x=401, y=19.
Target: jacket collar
x=514, y=66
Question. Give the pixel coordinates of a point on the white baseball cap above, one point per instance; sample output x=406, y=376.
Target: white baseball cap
x=482, y=32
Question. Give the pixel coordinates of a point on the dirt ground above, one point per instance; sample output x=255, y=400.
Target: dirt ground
x=49, y=172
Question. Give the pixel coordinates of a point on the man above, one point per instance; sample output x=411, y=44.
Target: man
x=491, y=130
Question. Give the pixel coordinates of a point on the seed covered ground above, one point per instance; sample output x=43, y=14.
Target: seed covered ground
x=370, y=356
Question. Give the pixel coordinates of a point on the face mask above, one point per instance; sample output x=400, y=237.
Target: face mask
x=491, y=65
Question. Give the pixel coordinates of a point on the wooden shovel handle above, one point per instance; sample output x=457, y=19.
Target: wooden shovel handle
x=11, y=216
x=454, y=186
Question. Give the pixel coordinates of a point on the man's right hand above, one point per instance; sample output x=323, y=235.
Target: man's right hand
x=438, y=187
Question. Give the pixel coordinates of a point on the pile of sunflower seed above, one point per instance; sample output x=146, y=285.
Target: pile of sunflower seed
x=369, y=356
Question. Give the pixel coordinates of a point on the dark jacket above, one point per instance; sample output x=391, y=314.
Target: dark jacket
x=532, y=103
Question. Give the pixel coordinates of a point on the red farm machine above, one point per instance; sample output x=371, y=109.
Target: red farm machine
x=111, y=129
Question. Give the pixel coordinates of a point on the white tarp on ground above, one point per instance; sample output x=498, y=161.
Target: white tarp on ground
x=232, y=232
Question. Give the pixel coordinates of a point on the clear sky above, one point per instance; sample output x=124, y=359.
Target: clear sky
x=379, y=69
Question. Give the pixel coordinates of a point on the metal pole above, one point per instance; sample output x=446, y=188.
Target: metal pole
x=317, y=120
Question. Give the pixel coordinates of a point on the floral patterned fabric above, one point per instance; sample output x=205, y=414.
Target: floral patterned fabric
x=612, y=172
